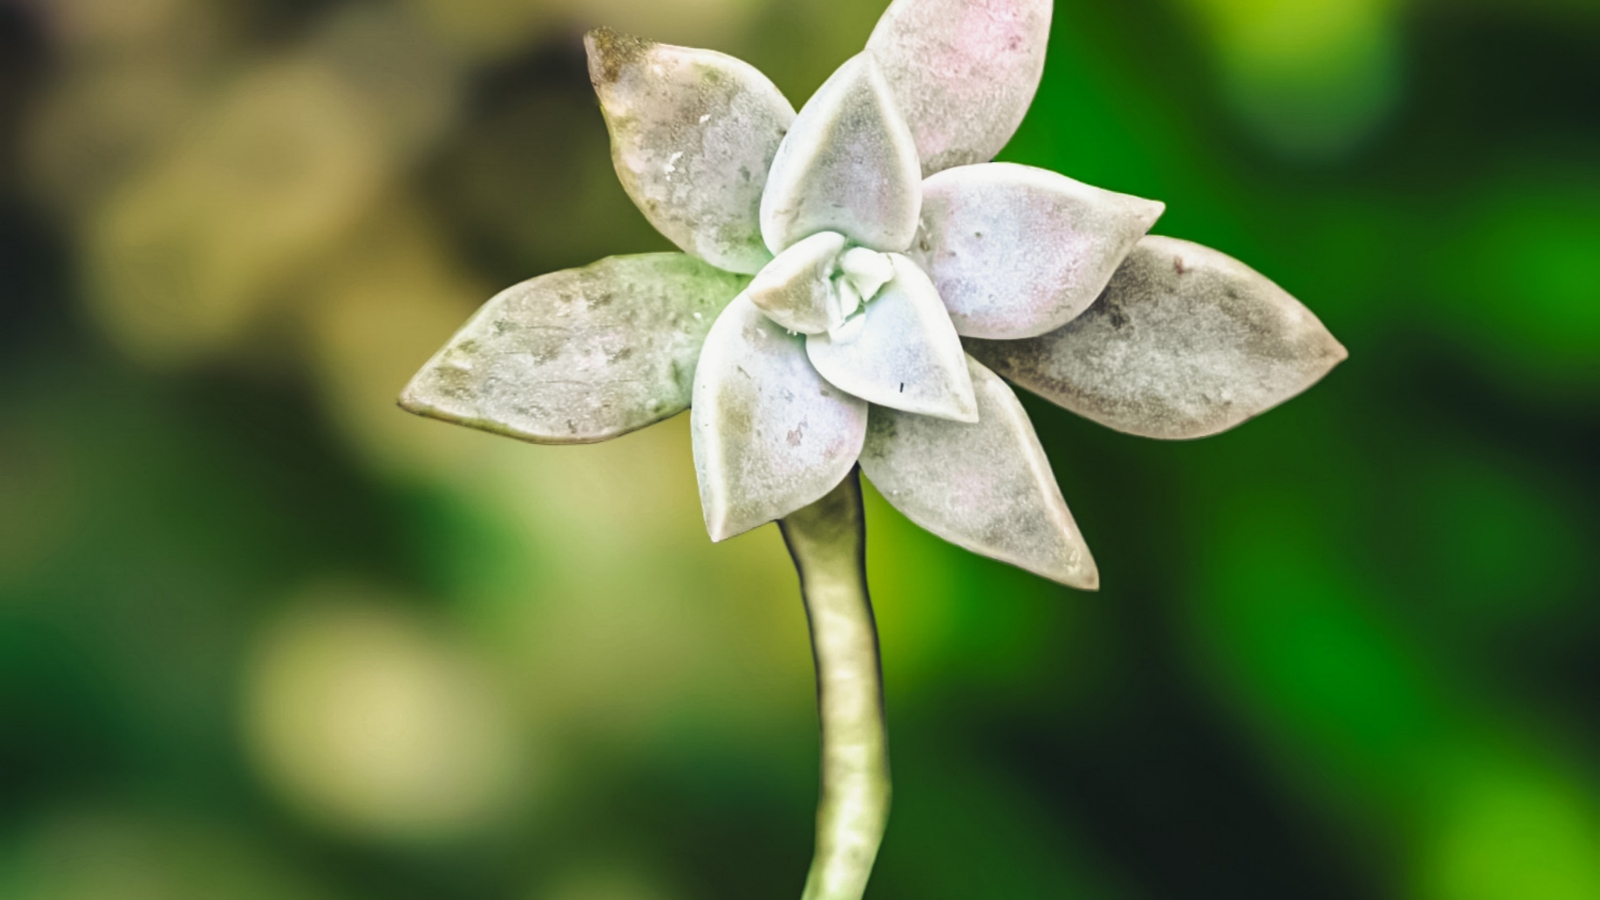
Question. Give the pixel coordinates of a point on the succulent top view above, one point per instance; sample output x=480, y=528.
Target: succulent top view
x=858, y=283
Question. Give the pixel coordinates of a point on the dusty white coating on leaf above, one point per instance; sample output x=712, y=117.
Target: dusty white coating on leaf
x=1017, y=251
x=579, y=355
x=985, y=486
x=796, y=289
x=848, y=165
x=1185, y=342
x=963, y=72
x=905, y=353
x=1182, y=341
x=770, y=435
x=693, y=134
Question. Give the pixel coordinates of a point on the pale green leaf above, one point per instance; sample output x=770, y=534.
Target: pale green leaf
x=580, y=355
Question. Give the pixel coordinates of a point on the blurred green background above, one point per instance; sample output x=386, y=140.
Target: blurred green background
x=264, y=636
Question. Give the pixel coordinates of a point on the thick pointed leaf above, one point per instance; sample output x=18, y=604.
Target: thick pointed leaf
x=1018, y=252
x=796, y=290
x=693, y=133
x=580, y=355
x=848, y=165
x=1185, y=342
x=963, y=72
x=770, y=436
x=986, y=486
x=905, y=354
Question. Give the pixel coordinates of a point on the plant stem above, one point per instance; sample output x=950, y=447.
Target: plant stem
x=828, y=542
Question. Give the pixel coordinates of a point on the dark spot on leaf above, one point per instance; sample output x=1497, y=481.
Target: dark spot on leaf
x=1114, y=313
x=885, y=428
x=1178, y=266
x=736, y=419
x=452, y=381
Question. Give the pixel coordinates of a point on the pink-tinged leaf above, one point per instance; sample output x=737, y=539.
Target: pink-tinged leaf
x=770, y=435
x=963, y=72
x=985, y=486
x=1184, y=343
x=1017, y=251
x=848, y=165
x=693, y=134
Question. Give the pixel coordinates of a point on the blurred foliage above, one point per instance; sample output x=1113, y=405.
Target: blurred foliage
x=264, y=636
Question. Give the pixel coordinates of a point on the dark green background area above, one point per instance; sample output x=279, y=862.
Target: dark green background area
x=1348, y=650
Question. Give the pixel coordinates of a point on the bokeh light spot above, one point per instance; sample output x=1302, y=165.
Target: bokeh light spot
x=1311, y=78
x=365, y=718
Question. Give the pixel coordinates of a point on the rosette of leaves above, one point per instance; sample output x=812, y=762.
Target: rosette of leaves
x=858, y=283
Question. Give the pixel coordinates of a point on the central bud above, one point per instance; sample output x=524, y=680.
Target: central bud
x=820, y=284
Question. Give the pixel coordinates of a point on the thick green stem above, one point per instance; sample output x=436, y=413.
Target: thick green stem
x=828, y=542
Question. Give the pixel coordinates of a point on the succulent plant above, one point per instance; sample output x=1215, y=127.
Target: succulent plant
x=857, y=284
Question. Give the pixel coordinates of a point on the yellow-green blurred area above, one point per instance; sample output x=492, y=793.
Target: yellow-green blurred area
x=264, y=636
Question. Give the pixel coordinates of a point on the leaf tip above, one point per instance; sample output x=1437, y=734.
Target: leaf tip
x=965, y=409
x=610, y=52
x=411, y=401
x=1148, y=212
x=1088, y=580
x=964, y=396
x=1337, y=353
x=1078, y=571
x=720, y=527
